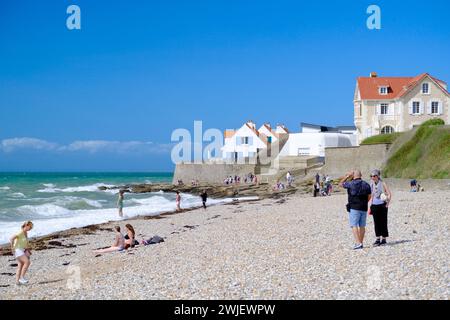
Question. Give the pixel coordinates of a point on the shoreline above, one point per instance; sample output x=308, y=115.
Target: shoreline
x=46, y=242
x=289, y=247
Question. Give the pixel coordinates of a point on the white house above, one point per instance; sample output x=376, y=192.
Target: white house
x=247, y=141
x=394, y=104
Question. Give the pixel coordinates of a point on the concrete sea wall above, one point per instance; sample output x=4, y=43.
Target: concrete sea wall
x=210, y=173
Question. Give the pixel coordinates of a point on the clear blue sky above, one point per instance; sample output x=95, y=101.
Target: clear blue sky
x=139, y=69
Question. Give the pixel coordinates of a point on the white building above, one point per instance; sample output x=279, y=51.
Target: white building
x=247, y=141
x=313, y=140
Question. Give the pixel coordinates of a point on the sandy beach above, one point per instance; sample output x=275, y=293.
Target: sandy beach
x=294, y=247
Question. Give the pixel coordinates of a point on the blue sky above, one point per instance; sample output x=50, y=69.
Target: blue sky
x=107, y=97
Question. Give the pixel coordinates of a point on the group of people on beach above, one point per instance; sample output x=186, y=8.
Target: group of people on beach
x=322, y=187
x=366, y=198
x=121, y=242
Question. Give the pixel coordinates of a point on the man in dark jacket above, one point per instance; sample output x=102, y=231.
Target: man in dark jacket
x=358, y=197
x=204, y=197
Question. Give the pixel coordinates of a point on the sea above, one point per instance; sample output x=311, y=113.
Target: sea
x=60, y=201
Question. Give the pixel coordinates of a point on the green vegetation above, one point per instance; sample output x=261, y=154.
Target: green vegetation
x=425, y=155
x=382, y=138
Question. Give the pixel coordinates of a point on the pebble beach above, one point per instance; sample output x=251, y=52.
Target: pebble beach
x=293, y=247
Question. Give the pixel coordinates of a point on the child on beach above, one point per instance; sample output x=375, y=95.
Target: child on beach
x=119, y=243
x=20, y=248
x=120, y=202
x=178, y=201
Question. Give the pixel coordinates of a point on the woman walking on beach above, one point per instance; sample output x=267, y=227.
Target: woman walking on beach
x=178, y=201
x=378, y=207
x=119, y=243
x=120, y=202
x=20, y=248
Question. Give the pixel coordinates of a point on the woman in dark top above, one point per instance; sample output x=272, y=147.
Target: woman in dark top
x=130, y=237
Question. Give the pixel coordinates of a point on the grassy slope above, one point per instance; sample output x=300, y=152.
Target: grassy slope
x=425, y=155
x=382, y=138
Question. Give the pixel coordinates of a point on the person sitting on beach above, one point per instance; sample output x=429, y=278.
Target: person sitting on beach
x=178, y=201
x=119, y=243
x=120, y=202
x=130, y=237
x=21, y=250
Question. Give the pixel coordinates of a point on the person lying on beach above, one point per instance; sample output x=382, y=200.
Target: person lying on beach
x=130, y=237
x=119, y=243
x=21, y=250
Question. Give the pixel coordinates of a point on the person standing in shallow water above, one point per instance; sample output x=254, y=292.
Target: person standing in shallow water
x=204, y=197
x=21, y=250
x=359, y=193
x=120, y=202
x=178, y=201
x=378, y=207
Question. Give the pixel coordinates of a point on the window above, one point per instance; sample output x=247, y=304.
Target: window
x=360, y=110
x=244, y=140
x=416, y=107
x=387, y=130
x=434, y=107
x=384, y=90
x=269, y=139
x=384, y=108
x=425, y=88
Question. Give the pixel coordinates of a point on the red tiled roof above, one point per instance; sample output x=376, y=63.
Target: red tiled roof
x=397, y=86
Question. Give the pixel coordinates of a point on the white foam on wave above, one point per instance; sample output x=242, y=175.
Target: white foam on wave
x=17, y=195
x=5, y=188
x=52, y=218
x=50, y=188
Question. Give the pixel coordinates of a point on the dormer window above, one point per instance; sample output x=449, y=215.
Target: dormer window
x=425, y=88
x=383, y=90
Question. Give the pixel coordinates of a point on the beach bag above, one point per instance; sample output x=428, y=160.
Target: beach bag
x=155, y=239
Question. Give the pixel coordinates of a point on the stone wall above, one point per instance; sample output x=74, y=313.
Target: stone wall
x=210, y=173
x=338, y=161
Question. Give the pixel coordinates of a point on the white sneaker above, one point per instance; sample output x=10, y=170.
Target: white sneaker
x=23, y=281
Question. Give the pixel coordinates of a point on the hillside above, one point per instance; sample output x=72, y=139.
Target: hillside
x=422, y=153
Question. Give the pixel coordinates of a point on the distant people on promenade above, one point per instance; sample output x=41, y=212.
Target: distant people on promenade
x=118, y=245
x=279, y=186
x=178, y=201
x=180, y=182
x=359, y=194
x=20, y=248
x=378, y=207
x=204, y=197
x=120, y=202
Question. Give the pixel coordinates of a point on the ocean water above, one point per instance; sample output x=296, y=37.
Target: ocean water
x=60, y=201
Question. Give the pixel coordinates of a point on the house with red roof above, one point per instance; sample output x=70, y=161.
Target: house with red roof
x=394, y=104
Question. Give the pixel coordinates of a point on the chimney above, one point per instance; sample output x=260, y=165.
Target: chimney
x=373, y=75
x=251, y=124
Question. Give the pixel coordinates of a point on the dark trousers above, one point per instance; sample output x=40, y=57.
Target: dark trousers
x=380, y=220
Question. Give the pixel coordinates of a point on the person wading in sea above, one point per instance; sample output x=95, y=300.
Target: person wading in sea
x=120, y=202
x=204, y=197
